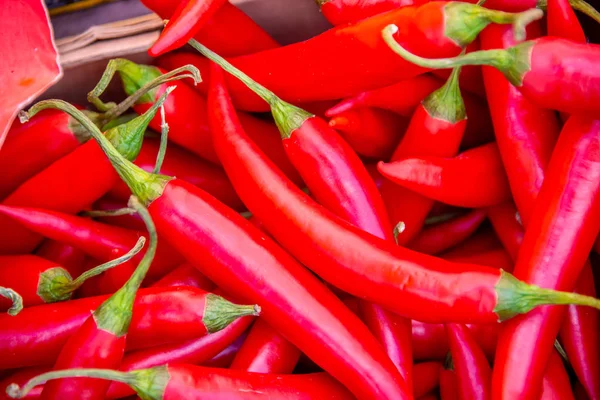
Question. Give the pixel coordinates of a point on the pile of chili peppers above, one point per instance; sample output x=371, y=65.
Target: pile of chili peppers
x=406, y=206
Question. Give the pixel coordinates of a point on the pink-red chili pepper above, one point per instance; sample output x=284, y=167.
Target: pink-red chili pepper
x=31, y=147
x=426, y=377
x=435, y=29
x=562, y=21
x=474, y=178
x=541, y=69
x=186, y=21
x=556, y=383
x=266, y=351
x=473, y=371
x=210, y=235
x=440, y=237
x=99, y=241
x=190, y=382
x=161, y=315
x=372, y=133
x=558, y=239
x=186, y=166
x=66, y=255
x=229, y=31
x=340, y=12
x=520, y=5
x=67, y=186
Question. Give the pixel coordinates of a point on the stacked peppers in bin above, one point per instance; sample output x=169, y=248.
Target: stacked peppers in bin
x=415, y=219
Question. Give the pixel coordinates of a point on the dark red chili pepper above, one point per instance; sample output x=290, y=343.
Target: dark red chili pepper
x=229, y=31
x=186, y=275
x=66, y=186
x=31, y=147
x=473, y=372
x=440, y=237
x=498, y=258
x=541, y=69
x=372, y=133
x=190, y=382
x=435, y=29
x=225, y=357
x=340, y=12
x=483, y=240
x=127, y=221
x=303, y=309
x=161, y=315
x=506, y=221
x=474, y=178
x=562, y=21
x=187, y=20
x=519, y=5
x=99, y=241
x=186, y=114
x=266, y=351
x=63, y=254
x=186, y=166
x=565, y=209
x=448, y=385
x=556, y=383
x=40, y=281
x=426, y=377
x=21, y=377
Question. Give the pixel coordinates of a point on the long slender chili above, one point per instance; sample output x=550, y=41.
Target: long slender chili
x=542, y=69
x=562, y=21
x=473, y=179
x=190, y=382
x=436, y=29
x=556, y=383
x=63, y=254
x=210, y=235
x=427, y=377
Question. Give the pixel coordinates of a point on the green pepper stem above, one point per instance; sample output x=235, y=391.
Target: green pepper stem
x=579, y=5
x=164, y=135
x=16, y=299
x=108, y=213
x=518, y=20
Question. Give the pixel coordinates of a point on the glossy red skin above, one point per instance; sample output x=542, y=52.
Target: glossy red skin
x=448, y=385
x=425, y=136
x=474, y=178
x=266, y=351
x=64, y=186
x=562, y=21
x=225, y=357
x=229, y=32
x=99, y=241
x=292, y=300
x=473, y=371
x=426, y=377
x=430, y=341
x=185, y=275
x=440, y=237
x=22, y=274
x=354, y=261
x=31, y=147
x=339, y=12
x=498, y=258
x=89, y=347
x=186, y=166
x=190, y=382
x=371, y=132
x=556, y=384
x=483, y=240
x=186, y=114
x=558, y=239
x=63, y=254
x=129, y=221
x=525, y=133
x=187, y=20
x=321, y=65
x=160, y=315
x=509, y=230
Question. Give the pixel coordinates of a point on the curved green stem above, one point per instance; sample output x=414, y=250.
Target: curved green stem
x=108, y=213
x=164, y=135
x=579, y=5
x=16, y=299
x=398, y=229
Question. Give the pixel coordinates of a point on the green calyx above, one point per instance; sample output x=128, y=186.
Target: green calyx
x=513, y=62
x=465, y=21
x=55, y=284
x=516, y=297
x=13, y=296
x=287, y=117
x=135, y=76
x=447, y=103
x=81, y=134
x=149, y=383
x=122, y=119
x=219, y=313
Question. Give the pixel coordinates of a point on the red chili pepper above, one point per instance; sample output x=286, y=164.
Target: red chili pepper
x=448, y=385
x=506, y=221
x=99, y=241
x=185, y=166
x=445, y=235
x=187, y=19
x=66, y=186
x=303, y=309
x=542, y=70
x=184, y=381
x=556, y=384
x=498, y=258
x=471, y=78
x=21, y=377
x=185, y=275
x=472, y=179
x=519, y=5
x=161, y=315
x=372, y=133
x=562, y=21
x=525, y=133
x=436, y=29
x=565, y=209
x=40, y=281
x=483, y=240
x=426, y=377
x=340, y=12
x=473, y=372
x=266, y=351
x=229, y=31
x=127, y=221
x=31, y=147
x=63, y=254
